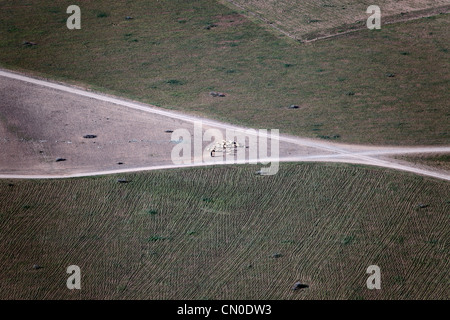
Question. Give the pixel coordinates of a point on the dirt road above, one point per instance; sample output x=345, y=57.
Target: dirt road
x=293, y=149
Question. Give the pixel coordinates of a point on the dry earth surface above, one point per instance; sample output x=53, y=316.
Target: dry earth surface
x=40, y=124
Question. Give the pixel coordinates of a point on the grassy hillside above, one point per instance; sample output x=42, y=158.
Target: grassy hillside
x=377, y=87
x=309, y=19
x=215, y=233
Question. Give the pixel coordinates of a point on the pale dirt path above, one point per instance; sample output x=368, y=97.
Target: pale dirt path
x=373, y=162
x=358, y=154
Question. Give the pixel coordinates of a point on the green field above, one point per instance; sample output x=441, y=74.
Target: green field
x=375, y=87
x=212, y=233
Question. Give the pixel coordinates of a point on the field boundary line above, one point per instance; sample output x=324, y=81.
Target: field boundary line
x=392, y=19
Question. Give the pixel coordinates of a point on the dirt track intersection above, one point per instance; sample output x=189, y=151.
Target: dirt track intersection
x=42, y=121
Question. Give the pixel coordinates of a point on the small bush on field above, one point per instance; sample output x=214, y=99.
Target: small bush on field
x=121, y=288
x=102, y=15
x=175, y=81
x=336, y=136
x=156, y=238
x=152, y=212
x=399, y=279
x=13, y=29
x=348, y=240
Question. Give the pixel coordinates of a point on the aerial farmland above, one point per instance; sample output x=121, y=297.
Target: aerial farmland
x=224, y=150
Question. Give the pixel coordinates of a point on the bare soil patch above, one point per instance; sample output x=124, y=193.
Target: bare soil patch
x=40, y=125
